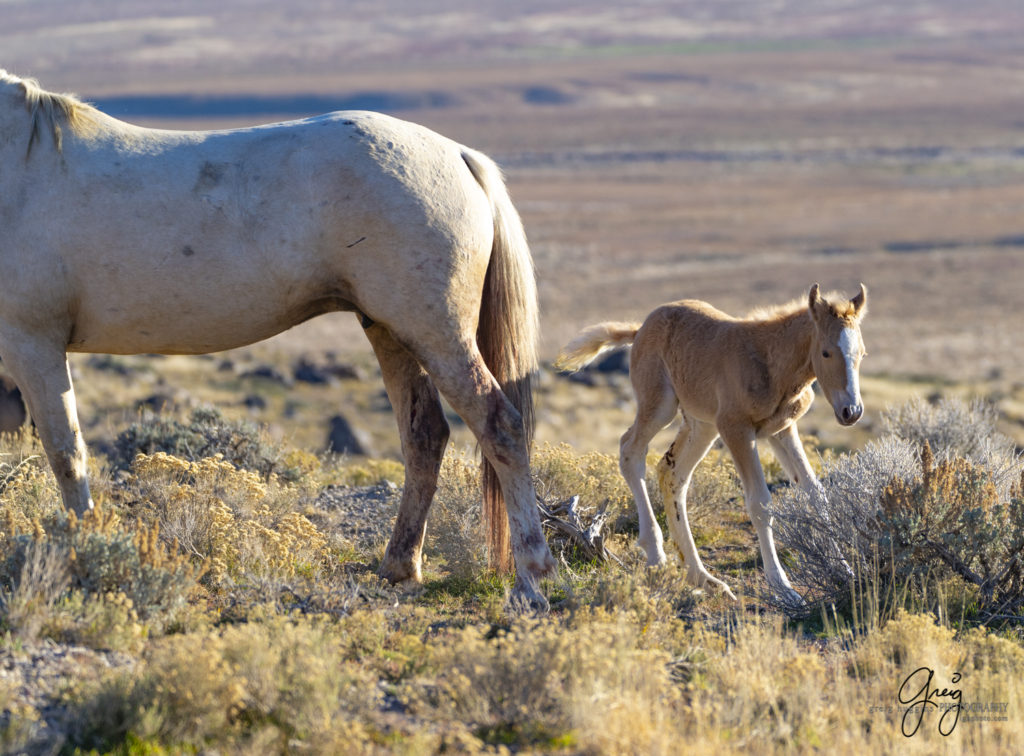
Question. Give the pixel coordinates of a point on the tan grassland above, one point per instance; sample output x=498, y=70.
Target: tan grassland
x=733, y=152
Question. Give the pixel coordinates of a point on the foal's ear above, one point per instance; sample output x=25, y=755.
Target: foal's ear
x=860, y=302
x=814, y=300
x=813, y=297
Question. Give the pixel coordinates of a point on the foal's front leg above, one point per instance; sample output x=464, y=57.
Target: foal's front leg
x=40, y=368
x=790, y=452
x=656, y=406
x=742, y=444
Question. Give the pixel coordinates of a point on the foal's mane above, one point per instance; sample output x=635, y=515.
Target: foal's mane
x=47, y=110
x=840, y=306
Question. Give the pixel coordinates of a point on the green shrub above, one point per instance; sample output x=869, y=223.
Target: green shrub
x=951, y=517
x=912, y=528
x=232, y=520
x=75, y=563
x=208, y=434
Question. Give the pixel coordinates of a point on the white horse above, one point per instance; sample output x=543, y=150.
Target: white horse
x=120, y=239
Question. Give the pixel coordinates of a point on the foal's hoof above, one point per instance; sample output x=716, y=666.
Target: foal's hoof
x=703, y=579
x=658, y=559
x=655, y=552
x=788, y=597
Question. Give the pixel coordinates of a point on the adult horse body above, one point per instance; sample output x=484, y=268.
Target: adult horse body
x=120, y=239
x=741, y=379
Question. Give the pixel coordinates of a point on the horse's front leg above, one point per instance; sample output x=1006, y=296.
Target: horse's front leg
x=790, y=452
x=424, y=434
x=40, y=368
x=739, y=438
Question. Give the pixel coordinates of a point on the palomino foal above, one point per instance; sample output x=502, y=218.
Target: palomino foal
x=741, y=379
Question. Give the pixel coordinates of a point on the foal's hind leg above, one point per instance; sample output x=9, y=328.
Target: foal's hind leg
x=656, y=407
x=40, y=368
x=424, y=433
x=674, y=473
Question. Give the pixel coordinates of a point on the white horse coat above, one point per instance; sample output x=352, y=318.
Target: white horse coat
x=120, y=239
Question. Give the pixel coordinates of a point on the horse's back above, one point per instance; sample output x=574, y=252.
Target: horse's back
x=199, y=241
x=694, y=345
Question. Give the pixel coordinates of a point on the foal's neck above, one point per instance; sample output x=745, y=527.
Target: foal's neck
x=795, y=333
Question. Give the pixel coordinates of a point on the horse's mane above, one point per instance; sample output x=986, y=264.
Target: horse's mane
x=839, y=304
x=777, y=312
x=48, y=110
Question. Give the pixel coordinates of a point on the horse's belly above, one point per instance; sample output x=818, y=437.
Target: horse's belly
x=189, y=328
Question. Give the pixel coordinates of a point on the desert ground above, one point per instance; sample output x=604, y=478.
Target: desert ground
x=732, y=152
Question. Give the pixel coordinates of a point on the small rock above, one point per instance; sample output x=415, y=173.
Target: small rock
x=310, y=371
x=254, y=402
x=307, y=372
x=157, y=403
x=343, y=439
x=267, y=373
x=615, y=362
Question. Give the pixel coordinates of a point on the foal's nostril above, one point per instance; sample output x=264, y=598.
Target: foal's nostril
x=852, y=413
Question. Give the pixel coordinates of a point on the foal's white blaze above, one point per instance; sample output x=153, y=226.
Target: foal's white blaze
x=849, y=345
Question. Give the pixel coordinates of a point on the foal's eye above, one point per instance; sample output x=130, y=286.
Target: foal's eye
x=826, y=354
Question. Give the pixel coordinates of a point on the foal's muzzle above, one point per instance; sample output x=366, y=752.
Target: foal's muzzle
x=848, y=414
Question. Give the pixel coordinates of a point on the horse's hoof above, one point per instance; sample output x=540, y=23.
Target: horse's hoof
x=724, y=588
x=658, y=560
x=789, y=598
x=527, y=599
x=701, y=580
x=399, y=574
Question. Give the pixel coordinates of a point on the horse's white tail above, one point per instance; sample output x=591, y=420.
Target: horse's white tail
x=594, y=340
x=506, y=335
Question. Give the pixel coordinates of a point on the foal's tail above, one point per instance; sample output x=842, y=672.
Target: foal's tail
x=594, y=340
x=506, y=335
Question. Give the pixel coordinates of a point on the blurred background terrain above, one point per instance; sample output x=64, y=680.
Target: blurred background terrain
x=730, y=151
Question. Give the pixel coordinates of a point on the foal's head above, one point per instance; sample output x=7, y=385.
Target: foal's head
x=836, y=351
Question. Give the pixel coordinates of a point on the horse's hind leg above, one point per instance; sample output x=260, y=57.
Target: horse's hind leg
x=458, y=371
x=40, y=368
x=656, y=407
x=424, y=434
x=675, y=471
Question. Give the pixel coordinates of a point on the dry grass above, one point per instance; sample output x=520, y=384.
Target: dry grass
x=691, y=158
x=280, y=645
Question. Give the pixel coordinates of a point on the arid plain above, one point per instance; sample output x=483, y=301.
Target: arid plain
x=732, y=151
x=659, y=152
